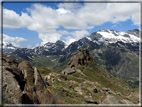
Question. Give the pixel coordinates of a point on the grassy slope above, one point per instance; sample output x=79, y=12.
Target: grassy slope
x=93, y=73
x=45, y=61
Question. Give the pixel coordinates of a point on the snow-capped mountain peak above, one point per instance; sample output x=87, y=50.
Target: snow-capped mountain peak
x=112, y=36
x=127, y=39
x=8, y=48
x=8, y=45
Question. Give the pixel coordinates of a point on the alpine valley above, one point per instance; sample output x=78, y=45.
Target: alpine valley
x=115, y=51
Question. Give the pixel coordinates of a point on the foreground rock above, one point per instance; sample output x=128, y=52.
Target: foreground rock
x=11, y=89
x=44, y=94
x=24, y=85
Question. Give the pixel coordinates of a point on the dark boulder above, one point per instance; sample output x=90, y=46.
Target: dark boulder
x=95, y=90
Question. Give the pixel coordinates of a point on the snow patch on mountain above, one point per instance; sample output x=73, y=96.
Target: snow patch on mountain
x=7, y=45
x=95, y=41
x=113, y=37
x=89, y=38
x=66, y=46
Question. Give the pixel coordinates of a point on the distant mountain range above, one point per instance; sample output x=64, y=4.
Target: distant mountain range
x=117, y=52
x=102, y=37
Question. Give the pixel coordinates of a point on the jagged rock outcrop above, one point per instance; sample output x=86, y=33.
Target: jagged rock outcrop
x=80, y=58
x=28, y=72
x=44, y=94
x=24, y=85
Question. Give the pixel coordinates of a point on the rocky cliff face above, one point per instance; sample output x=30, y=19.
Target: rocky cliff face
x=80, y=58
x=24, y=85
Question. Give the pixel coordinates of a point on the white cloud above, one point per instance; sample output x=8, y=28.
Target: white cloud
x=32, y=47
x=79, y=34
x=76, y=35
x=13, y=20
x=29, y=46
x=70, y=6
x=14, y=40
x=64, y=32
x=49, y=37
x=46, y=20
x=62, y=11
x=36, y=45
x=136, y=18
x=69, y=40
x=77, y=16
x=72, y=16
x=100, y=13
x=127, y=11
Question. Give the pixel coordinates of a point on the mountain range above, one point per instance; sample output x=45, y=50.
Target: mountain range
x=115, y=51
x=82, y=81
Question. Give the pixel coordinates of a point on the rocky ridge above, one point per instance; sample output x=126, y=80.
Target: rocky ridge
x=89, y=84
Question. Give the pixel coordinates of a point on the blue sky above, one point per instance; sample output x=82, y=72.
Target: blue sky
x=34, y=24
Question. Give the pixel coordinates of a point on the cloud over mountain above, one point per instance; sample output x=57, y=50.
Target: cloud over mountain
x=76, y=35
x=14, y=40
x=47, y=20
